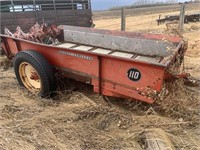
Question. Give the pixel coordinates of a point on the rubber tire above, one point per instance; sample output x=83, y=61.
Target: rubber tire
x=43, y=68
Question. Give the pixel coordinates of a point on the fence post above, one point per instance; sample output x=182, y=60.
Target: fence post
x=159, y=19
x=181, y=18
x=123, y=19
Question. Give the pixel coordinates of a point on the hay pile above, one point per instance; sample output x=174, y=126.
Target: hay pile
x=179, y=99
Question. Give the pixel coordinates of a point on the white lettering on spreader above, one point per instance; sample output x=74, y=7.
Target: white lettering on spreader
x=134, y=74
x=76, y=55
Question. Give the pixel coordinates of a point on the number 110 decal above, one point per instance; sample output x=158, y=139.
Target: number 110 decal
x=134, y=74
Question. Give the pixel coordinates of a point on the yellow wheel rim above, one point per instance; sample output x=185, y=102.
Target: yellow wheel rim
x=30, y=77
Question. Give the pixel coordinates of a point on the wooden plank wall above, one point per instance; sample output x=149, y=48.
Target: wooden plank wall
x=25, y=20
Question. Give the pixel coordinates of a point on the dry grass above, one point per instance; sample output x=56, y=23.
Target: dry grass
x=180, y=100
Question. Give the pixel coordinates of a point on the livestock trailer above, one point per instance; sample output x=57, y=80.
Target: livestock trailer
x=59, y=12
x=116, y=63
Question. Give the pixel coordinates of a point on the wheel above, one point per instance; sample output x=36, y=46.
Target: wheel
x=34, y=73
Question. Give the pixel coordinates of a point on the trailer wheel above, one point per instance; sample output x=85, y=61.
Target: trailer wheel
x=34, y=73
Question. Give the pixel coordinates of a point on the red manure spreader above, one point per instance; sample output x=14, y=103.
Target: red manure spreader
x=116, y=63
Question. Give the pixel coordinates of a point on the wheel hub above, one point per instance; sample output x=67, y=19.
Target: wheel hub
x=34, y=76
x=30, y=77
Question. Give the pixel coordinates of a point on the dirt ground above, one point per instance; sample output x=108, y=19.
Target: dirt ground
x=80, y=119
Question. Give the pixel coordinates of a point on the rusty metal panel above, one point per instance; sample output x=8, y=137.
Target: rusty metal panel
x=109, y=41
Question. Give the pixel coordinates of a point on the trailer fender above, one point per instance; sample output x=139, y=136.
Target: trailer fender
x=33, y=72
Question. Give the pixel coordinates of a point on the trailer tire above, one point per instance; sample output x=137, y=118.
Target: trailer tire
x=33, y=72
